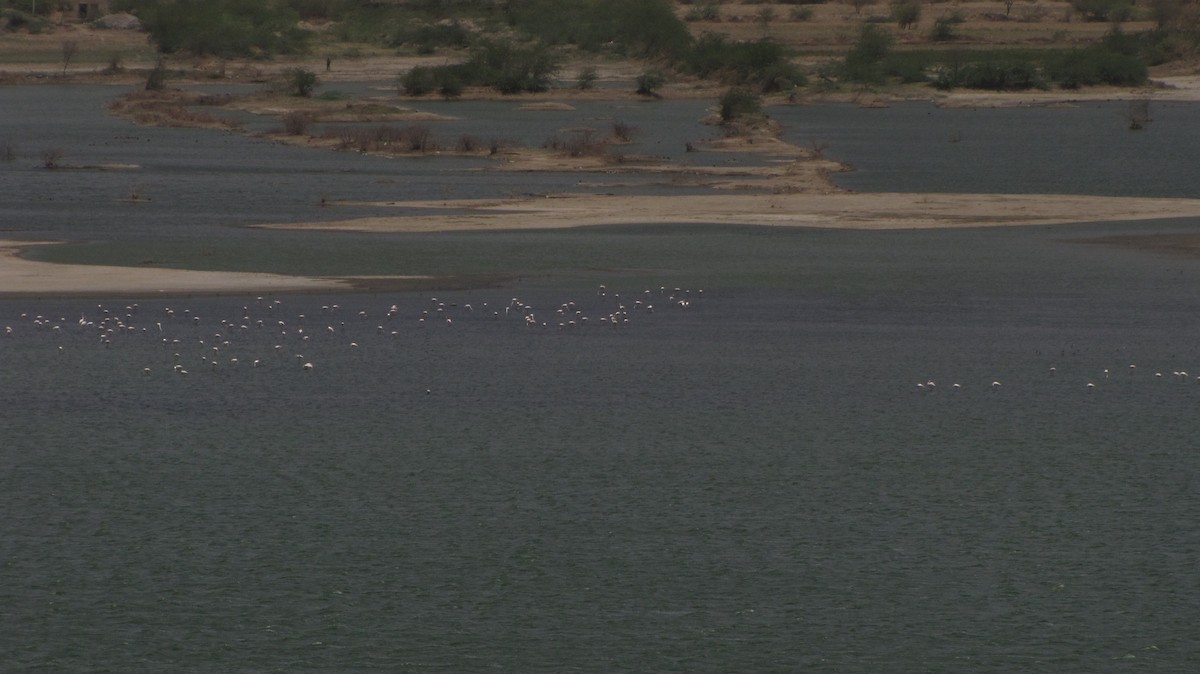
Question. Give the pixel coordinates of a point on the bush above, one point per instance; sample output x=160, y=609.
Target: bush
x=623, y=132
x=582, y=143
x=762, y=63
x=418, y=81
x=449, y=86
x=301, y=82
x=709, y=11
x=428, y=37
x=907, y=67
x=906, y=13
x=18, y=20
x=510, y=68
x=157, y=79
x=863, y=61
x=1104, y=10
x=736, y=103
x=1010, y=75
x=649, y=82
x=943, y=30
x=392, y=139
x=296, y=123
x=587, y=78
x=224, y=27
x=1096, y=65
x=800, y=13
x=504, y=65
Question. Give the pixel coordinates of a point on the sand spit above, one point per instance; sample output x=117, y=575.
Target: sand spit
x=838, y=210
x=20, y=277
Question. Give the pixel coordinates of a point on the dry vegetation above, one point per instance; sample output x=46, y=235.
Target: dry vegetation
x=172, y=108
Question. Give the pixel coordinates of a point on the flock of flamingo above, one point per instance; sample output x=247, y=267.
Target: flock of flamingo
x=268, y=331
x=271, y=332
x=1089, y=384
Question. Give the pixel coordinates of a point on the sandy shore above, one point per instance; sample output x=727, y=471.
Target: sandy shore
x=19, y=277
x=838, y=210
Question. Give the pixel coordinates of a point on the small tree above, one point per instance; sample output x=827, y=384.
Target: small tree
x=1104, y=10
x=449, y=85
x=736, y=103
x=906, y=13
x=649, y=82
x=943, y=30
x=418, y=81
x=863, y=61
x=296, y=123
x=301, y=82
x=157, y=78
x=765, y=15
x=587, y=78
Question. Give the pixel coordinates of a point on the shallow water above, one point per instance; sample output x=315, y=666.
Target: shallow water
x=1083, y=148
x=751, y=483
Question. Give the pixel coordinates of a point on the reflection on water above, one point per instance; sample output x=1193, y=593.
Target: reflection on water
x=753, y=482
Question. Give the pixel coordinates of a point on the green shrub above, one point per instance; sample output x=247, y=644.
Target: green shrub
x=738, y=102
x=449, y=85
x=418, y=81
x=1096, y=65
x=18, y=20
x=904, y=66
x=509, y=67
x=906, y=13
x=587, y=78
x=429, y=37
x=502, y=64
x=762, y=63
x=1104, y=10
x=1010, y=75
x=301, y=82
x=709, y=11
x=157, y=79
x=649, y=82
x=863, y=61
x=224, y=27
x=943, y=30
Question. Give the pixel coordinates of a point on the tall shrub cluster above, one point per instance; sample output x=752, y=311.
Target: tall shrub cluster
x=221, y=27
x=507, y=66
x=762, y=63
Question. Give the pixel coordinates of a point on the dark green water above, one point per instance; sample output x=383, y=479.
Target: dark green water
x=751, y=483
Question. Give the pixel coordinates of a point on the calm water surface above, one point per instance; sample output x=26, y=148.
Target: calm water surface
x=750, y=482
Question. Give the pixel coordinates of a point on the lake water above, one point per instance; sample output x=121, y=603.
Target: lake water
x=746, y=478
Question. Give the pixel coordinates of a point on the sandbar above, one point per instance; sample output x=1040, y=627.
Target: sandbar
x=873, y=211
x=20, y=277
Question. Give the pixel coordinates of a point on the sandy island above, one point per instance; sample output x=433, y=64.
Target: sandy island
x=20, y=277
x=875, y=211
